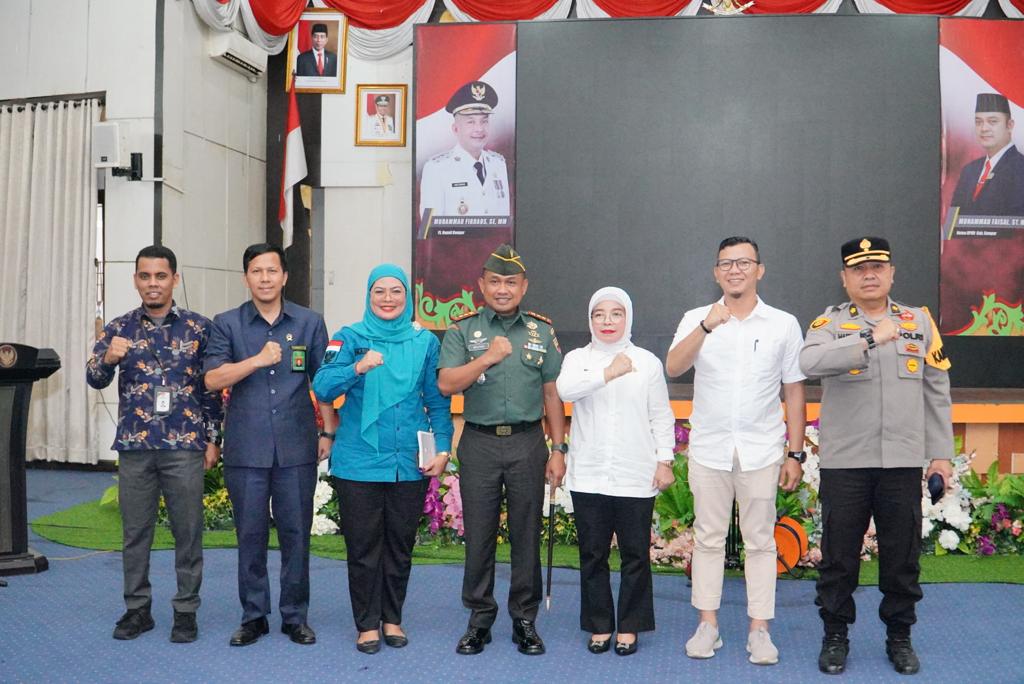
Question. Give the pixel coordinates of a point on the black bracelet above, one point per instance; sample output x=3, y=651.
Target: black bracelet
x=704, y=328
x=328, y=435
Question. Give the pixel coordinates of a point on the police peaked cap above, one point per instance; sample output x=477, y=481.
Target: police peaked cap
x=476, y=97
x=859, y=250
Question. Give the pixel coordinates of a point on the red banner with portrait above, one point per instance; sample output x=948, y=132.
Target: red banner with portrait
x=981, y=71
x=464, y=161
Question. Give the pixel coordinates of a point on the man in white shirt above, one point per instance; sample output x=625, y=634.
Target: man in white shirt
x=742, y=351
x=381, y=124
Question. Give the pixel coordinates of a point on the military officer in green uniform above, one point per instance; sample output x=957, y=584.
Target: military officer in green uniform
x=885, y=415
x=505, y=362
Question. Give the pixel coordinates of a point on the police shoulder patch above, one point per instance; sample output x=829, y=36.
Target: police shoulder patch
x=820, y=322
x=936, y=355
x=539, y=317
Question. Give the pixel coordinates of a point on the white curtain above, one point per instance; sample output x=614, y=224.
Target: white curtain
x=370, y=44
x=1009, y=10
x=47, y=276
x=216, y=14
x=270, y=43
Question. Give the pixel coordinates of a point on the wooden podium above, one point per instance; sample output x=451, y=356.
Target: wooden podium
x=20, y=367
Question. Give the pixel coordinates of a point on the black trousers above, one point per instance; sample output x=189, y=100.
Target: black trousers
x=598, y=517
x=489, y=466
x=849, y=497
x=379, y=521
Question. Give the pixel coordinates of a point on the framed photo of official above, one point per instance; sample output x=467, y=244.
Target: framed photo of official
x=380, y=115
x=317, y=51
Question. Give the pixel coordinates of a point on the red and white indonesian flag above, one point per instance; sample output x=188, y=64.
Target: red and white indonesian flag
x=293, y=166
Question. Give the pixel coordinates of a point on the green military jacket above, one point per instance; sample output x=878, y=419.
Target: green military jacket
x=886, y=407
x=510, y=391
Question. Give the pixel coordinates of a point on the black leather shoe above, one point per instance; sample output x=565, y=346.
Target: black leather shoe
x=396, y=640
x=901, y=655
x=185, y=629
x=368, y=647
x=299, y=634
x=596, y=646
x=250, y=632
x=834, y=649
x=134, y=622
x=524, y=633
x=472, y=642
x=624, y=649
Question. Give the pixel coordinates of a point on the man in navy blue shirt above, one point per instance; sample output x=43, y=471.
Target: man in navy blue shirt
x=267, y=351
x=168, y=428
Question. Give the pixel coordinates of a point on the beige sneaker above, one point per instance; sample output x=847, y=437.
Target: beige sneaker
x=761, y=649
x=704, y=642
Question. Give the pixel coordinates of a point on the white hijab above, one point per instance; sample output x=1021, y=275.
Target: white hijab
x=619, y=296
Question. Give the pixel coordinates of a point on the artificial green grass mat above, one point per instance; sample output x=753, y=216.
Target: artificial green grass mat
x=90, y=526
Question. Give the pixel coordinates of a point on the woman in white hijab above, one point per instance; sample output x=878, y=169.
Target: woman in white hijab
x=622, y=440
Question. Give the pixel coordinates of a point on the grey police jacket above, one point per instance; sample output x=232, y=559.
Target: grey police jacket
x=887, y=407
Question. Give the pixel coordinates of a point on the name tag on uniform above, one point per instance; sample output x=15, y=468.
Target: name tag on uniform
x=463, y=184
x=478, y=345
x=536, y=347
x=362, y=350
x=299, y=359
x=161, y=401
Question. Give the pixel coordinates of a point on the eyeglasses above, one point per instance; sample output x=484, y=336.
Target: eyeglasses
x=742, y=264
x=614, y=316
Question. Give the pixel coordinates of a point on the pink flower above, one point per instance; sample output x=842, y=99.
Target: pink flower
x=453, y=505
x=432, y=506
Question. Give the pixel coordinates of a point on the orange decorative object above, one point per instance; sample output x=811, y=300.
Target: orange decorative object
x=790, y=542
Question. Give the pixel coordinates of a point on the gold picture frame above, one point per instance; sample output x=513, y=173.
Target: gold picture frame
x=383, y=127
x=326, y=75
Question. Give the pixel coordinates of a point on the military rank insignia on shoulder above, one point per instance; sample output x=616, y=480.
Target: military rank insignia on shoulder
x=539, y=317
x=464, y=316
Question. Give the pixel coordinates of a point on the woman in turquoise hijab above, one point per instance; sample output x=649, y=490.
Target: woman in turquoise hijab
x=386, y=367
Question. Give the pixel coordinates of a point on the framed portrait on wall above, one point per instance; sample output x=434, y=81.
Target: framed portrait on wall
x=380, y=114
x=317, y=50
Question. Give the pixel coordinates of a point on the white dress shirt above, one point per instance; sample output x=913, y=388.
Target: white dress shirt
x=738, y=374
x=621, y=429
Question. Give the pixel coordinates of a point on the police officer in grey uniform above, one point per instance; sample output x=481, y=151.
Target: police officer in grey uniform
x=505, y=362
x=467, y=180
x=885, y=415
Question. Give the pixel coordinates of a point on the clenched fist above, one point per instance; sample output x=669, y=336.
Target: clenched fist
x=117, y=350
x=885, y=331
x=269, y=355
x=718, y=315
x=500, y=348
x=370, y=360
x=619, y=366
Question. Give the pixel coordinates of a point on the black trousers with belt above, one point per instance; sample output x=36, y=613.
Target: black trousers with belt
x=849, y=497
x=598, y=516
x=490, y=467
x=379, y=521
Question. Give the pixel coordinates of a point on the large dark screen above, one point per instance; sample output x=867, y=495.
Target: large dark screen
x=642, y=143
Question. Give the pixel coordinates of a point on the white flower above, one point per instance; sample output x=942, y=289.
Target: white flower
x=322, y=495
x=949, y=539
x=926, y=528
x=322, y=525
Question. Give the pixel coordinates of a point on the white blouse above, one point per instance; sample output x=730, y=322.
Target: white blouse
x=620, y=430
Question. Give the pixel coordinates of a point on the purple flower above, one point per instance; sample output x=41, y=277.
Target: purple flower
x=1000, y=515
x=985, y=546
x=432, y=506
x=682, y=433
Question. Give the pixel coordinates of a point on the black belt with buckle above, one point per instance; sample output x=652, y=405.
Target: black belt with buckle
x=503, y=430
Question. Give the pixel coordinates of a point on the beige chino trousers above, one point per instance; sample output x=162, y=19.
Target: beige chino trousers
x=713, y=494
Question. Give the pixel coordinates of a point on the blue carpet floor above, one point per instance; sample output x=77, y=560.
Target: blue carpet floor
x=56, y=626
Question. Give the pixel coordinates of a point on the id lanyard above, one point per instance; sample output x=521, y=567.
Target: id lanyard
x=161, y=393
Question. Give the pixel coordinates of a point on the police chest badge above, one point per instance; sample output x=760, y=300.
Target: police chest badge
x=298, y=358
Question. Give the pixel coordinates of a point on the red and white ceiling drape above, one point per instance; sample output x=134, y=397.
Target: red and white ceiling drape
x=382, y=28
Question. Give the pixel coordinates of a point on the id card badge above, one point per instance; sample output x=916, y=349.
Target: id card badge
x=298, y=359
x=162, y=401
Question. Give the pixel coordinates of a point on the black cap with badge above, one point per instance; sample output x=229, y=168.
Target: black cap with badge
x=476, y=97
x=863, y=249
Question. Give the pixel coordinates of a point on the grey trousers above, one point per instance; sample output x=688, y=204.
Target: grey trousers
x=142, y=477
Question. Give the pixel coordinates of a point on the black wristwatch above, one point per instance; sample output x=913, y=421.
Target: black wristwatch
x=868, y=337
x=798, y=456
x=328, y=435
x=561, y=446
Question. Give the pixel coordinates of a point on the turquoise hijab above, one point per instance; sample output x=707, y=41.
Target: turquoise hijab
x=404, y=348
